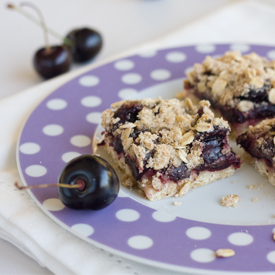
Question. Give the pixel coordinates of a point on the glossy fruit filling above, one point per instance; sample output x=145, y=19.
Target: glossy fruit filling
x=128, y=113
x=214, y=159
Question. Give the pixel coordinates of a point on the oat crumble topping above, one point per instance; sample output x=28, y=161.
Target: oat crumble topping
x=230, y=76
x=175, y=126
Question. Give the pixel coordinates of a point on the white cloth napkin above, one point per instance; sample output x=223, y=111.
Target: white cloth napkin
x=21, y=220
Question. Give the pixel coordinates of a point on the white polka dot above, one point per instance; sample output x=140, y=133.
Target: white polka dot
x=147, y=54
x=271, y=257
x=29, y=148
x=162, y=216
x=176, y=57
x=271, y=54
x=189, y=69
x=56, y=104
x=91, y=101
x=240, y=47
x=160, y=74
x=127, y=215
x=83, y=229
x=53, y=130
x=125, y=93
x=94, y=117
x=198, y=233
x=69, y=156
x=80, y=141
x=124, y=65
x=203, y=255
x=36, y=171
x=140, y=242
x=273, y=230
x=131, y=78
x=53, y=204
x=240, y=238
x=88, y=80
x=205, y=48
x=122, y=194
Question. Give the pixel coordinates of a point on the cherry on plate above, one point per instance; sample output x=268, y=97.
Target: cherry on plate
x=97, y=180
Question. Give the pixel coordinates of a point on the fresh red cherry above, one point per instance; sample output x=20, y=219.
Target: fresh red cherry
x=85, y=44
x=97, y=181
x=52, y=61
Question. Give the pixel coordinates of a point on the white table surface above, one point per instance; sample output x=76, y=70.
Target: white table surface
x=123, y=23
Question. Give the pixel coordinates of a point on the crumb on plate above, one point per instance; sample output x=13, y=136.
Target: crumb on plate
x=230, y=200
x=224, y=253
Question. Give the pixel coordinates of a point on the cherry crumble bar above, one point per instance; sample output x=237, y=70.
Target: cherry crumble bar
x=242, y=88
x=167, y=147
x=259, y=149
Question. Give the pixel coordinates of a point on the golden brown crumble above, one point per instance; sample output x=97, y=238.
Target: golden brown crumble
x=230, y=76
x=175, y=127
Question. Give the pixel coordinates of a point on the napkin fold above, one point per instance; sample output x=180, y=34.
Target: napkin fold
x=24, y=224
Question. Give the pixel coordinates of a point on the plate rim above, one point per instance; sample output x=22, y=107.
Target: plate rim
x=138, y=259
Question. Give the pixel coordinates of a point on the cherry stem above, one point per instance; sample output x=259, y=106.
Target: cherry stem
x=55, y=34
x=64, y=185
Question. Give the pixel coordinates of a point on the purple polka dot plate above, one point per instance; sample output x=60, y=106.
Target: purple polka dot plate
x=179, y=236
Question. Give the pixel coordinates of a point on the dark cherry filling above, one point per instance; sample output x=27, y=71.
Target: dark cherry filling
x=264, y=151
x=128, y=113
x=214, y=160
x=258, y=95
x=233, y=115
x=118, y=145
x=177, y=173
x=133, y=167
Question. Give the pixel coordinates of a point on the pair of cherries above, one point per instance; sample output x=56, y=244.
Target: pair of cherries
x=86, y=182
x=55, y=60
x=80, y=45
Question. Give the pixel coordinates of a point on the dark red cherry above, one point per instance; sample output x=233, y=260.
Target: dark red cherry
x=52, y=61
x=85, y=44
x=99, y=184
